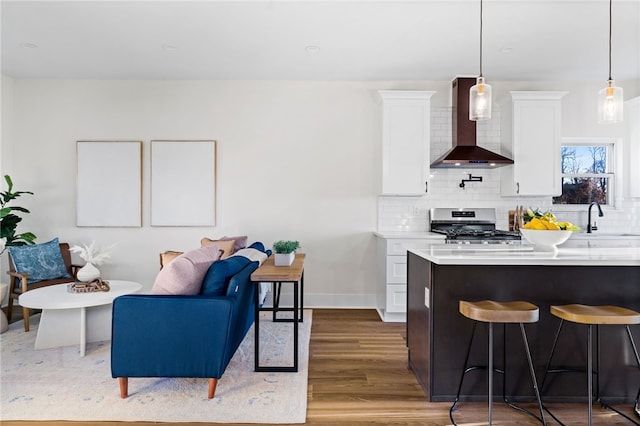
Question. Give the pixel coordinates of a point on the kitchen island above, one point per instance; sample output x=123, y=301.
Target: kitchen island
x=437, y=334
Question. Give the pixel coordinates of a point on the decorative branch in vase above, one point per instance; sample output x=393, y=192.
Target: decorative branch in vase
x=94, y=256
x=285, y=252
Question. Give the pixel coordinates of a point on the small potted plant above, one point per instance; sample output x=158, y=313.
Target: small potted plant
x=285, y=252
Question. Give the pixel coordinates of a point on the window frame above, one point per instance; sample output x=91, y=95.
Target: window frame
x=614, y=167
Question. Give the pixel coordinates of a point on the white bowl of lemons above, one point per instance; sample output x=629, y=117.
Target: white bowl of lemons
x=546, y=233
x=545, y=240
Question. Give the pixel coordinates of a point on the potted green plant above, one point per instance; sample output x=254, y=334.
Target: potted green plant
x=285, y=252
x=9, y=220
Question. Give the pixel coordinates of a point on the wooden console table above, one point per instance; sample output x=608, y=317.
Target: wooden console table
x=277, y=275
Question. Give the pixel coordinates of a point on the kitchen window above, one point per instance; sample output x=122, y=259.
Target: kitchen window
x=588, y=172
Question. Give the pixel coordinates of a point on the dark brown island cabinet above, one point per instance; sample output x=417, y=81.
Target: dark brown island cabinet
x=438, y=335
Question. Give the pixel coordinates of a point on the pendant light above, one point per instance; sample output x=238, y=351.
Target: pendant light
x=480, y=93
x=610, y=99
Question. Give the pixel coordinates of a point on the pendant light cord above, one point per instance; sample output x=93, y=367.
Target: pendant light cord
x=610, y=25
x=481, y=43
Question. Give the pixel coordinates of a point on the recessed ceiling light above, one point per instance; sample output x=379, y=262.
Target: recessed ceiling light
x=168, y=47
x=312, y=49
x=29, y=45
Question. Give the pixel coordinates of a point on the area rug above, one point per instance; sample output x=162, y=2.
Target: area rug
x=58, y=384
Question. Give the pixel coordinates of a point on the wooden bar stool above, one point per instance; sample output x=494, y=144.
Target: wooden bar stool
x=504, y=313
x=590, y=316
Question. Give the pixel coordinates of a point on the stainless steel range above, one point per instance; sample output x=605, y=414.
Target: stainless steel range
x=470, y=226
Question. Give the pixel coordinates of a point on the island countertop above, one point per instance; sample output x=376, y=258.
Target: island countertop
x=440, y=276
x=522, y=254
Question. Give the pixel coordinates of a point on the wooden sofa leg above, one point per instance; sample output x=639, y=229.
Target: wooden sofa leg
x=124, y=386
x=212, y=387
x=25, y=315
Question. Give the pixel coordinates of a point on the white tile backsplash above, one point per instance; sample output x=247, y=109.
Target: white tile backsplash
x=410, y=214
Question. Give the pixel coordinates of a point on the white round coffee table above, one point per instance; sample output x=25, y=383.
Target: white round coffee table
x=74, y=318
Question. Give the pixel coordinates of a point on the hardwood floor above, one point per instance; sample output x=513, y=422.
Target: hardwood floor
x=358, y=375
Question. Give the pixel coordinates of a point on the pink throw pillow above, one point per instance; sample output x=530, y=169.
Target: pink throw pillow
x=184, y=274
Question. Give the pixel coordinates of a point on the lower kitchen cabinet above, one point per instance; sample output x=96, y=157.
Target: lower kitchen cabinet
x=392, y=273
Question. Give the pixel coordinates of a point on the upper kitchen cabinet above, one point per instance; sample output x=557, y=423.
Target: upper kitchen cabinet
x=406, y=133
x=632, y=112
x=531, y=136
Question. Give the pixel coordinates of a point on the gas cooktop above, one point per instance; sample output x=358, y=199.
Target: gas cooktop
x=465, y=225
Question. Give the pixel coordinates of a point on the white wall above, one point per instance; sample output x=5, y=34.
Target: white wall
x=296, y=160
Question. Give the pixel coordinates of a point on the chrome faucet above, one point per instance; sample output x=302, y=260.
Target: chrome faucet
x=600, y=214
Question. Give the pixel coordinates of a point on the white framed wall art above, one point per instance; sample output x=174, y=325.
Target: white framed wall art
x=183, y=183
x=109, y=183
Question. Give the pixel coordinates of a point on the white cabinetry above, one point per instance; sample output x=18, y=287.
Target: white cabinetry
x=632, y=112
x=406, y=137
x=392, y=275
x=531, y=135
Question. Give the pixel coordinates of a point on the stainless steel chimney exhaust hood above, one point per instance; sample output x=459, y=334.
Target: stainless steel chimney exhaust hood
x=465, y=151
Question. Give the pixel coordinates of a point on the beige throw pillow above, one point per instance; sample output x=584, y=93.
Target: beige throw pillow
x=226, y=246
x=168, y=256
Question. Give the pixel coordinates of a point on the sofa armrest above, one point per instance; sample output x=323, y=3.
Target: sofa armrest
x=170, y=336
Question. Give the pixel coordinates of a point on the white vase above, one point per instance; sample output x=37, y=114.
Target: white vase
x=284, y=259
x=88, y=273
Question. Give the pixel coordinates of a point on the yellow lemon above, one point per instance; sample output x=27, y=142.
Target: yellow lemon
x=551, y=226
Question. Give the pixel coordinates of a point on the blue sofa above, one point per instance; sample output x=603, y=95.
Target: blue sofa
x=181, y=336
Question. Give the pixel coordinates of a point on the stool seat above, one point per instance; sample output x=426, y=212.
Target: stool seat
x=502, y=312
x=585, y=314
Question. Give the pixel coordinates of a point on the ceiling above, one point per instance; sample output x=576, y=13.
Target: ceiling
x=319, y=40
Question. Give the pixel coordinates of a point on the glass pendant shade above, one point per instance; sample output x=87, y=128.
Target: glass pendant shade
x=610, y=102
x=480, y=101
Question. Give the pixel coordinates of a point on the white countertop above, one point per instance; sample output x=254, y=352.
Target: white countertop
x=482, y=254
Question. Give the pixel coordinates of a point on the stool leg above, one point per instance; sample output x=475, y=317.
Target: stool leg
x=636, y=407
x=548, y=366
x=464, y=371
x=553, y=349
x=490, y=370
x=590, y=373
x=533, y=373
x=597, y=362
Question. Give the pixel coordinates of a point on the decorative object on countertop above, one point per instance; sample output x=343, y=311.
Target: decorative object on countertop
x=89, y=287
x=9, y=221
x=285, y=252
x=545, y=240
x=93, y=256
x=534, y=219
x=544, y=231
